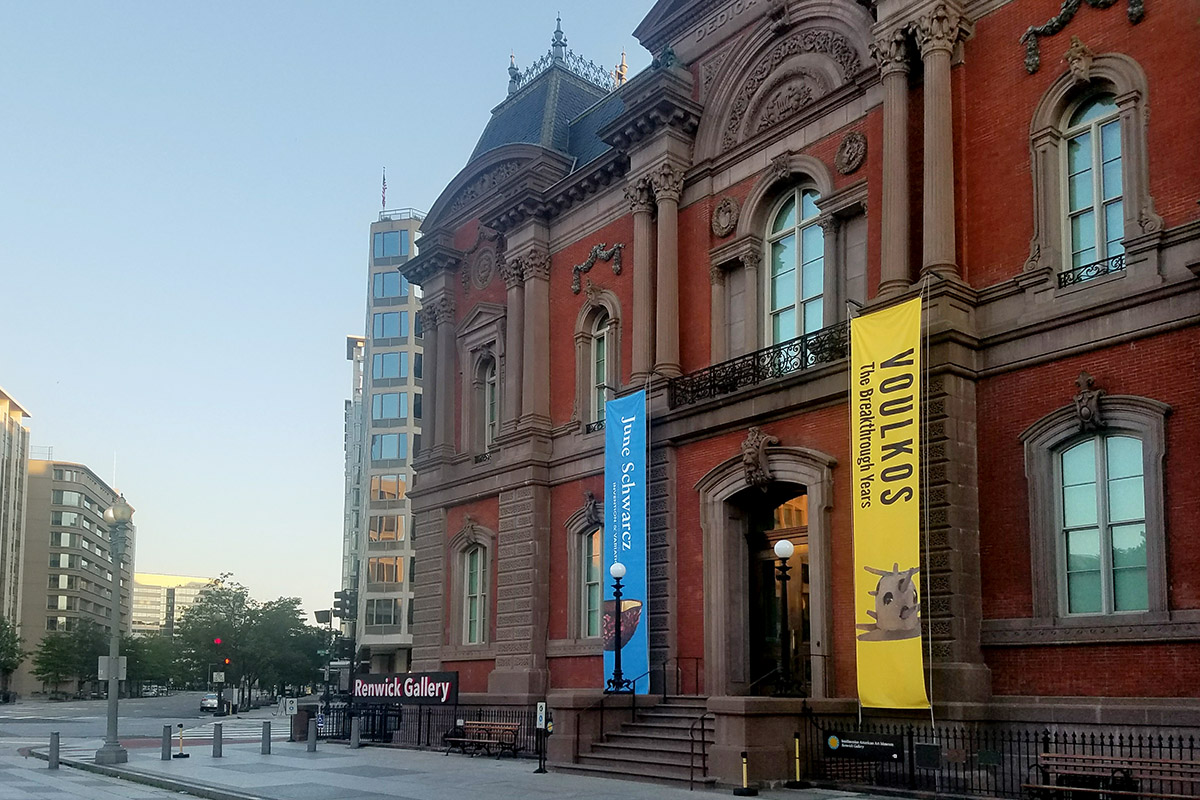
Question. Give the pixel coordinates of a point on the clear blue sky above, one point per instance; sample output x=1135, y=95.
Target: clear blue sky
x=185, y=195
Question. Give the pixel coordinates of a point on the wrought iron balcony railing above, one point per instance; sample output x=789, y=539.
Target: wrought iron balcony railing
x=484, y=457
x=592, y=427
x=1091, y=271
x=819, y=347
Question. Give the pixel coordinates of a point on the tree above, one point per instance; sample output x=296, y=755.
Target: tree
x=11, y=654
x=89, y=641
x=54, y=660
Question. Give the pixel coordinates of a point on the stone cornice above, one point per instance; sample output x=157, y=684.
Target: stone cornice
x=547, y=201
x=654, y=100
x=437, y=255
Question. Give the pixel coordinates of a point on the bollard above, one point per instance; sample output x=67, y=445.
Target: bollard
x=355, y=733
x=266, y=743
x=216, y=740
x=166, y=743
x=796, y=783
x=53, y=759
x=745, y=790
x=181, y=754
x=312, y=736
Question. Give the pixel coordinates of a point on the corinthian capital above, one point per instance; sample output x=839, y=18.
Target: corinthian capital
x=667, y=181
x=890, y=52
x=534, y=263
x=510, y=270
x=440, y=310
x=940, y=29
x=640, y=196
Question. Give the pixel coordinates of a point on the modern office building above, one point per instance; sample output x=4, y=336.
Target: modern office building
x=160, y=600
x=14, y=457
x=383, y=432
x=704, y=232
x=69, y=574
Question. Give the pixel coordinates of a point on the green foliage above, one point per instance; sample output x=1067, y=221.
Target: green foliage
x=11, y=654
x=54, y=659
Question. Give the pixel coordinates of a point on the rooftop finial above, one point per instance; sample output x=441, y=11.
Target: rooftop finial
x=514, y=74
x=558, y=45
x=621, y=70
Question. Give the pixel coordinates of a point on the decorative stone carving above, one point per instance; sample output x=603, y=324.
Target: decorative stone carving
x=426, y=319
x=937, y=30
x=1087, y=404
x=483, y=268
x=754, y=458
x=440, y=310
x=1079, y=60
x=667, y=181
x=665, y=59
x=640, y=196
x=591, y=508
x=469, y=534
x=829, y=223
x=891, y=52
x=532, y=264
x=486, y=183
x=510, y=270
x=781, y=20
x=780, y=167
x=752, y=258
x=716, y=275
x=709, y=70
x=612, y=254
x=784, y=103
x=1066, y=13
x=851, y=153
x=813, y=40
x=725, y=217
x=479, y=260
x=1149, y=222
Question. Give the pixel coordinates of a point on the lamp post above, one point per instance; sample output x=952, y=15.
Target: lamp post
x=783, y=551
x=118, y=517
x=617, y=683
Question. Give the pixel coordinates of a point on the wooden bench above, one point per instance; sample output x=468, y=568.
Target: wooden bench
x=1110, y=777
x=473, y=738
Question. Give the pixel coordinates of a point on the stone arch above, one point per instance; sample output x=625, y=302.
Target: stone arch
x=783, y=173
x=831, y=48
x=726, y=564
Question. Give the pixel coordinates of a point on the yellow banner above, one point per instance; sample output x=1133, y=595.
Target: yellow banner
x=885, y=389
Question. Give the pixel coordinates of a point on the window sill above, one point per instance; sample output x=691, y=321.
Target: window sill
x=574, y=648
x=1122, y=628
x=468, y=652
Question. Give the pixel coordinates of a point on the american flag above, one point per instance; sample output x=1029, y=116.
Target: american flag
x=383, y=198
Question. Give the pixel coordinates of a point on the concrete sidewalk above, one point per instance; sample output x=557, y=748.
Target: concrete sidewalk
x=371, y=773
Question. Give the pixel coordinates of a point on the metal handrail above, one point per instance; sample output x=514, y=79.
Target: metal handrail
x=696, y=661
x=703, y=749
x=1088, y=272
x=600, y=703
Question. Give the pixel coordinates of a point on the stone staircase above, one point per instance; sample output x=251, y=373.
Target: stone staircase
x=656, y=748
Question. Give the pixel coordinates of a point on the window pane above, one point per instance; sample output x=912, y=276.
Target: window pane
x=1114, y=229
x=1100, y=106
x=1083, y=550
x=1083, y=593
x=1110, y=141
x=1130, y=590
x=813, y=281
x=1079, y=505
x=1079, y=464
x=1079, y=153
x=1129, y=546
x=783, y=326
x=812, y=242
x=1112, y=179
x=783, y=255
x=783, y=290
x=1126, y=499
x=1124, y=456
x=1079, y=191
x=1083, y=237
x=808, y=204
x=786, y=218
x=814, y=313
x=378, y=245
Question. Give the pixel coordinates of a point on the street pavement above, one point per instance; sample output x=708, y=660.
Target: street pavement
x=335, y=772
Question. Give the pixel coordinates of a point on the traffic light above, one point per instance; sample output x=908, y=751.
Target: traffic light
x=344, y=648
x=345, y=605
x=227, y=661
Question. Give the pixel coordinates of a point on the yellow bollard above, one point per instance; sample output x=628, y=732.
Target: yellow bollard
x=180, y=754
x=797, y=783
x=745, y=790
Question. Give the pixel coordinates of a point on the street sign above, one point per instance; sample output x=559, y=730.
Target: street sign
x=320, y=721
x=218, y=677
x=541, y=716
x=289, y=707
x=102, y=668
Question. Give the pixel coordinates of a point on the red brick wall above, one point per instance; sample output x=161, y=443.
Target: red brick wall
x=585, y=672
x=565, y=500
x=1131, y=670
x=472, y=675
x=485, y=513
x=998, y=98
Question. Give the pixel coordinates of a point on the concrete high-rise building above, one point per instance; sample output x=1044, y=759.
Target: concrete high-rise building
x=383, y=431
x=68, y=571
x=160, y=600
x=14, y=455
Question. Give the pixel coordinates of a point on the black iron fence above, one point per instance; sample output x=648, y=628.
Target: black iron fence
x=974, y=761
x=424, y=726
x=1091, y=271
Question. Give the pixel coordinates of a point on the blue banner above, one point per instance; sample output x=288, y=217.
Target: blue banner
x=625, y=538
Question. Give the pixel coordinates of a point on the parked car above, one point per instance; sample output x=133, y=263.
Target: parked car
x=209, y=702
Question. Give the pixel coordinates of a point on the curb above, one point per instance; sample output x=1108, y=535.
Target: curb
x=169, y=784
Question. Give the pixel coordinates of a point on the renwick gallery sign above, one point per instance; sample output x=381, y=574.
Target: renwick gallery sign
x=408, y=688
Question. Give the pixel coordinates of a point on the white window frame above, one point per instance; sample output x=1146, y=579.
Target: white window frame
x=803, y=223
x=479, y=596
x=599, y=363
x=1098, y=205
x=586, y=558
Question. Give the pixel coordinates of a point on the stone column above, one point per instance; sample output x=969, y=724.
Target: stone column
x=718, y=347
x=535, y=385
x=668, y=186
x=641, y=203
x=833, y=296
x=937, y=33
x=429, y=349
x=442, y=310
x=751, y=259
x=894, y=274
x=514, y=346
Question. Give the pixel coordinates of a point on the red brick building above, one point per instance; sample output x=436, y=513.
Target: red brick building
x=703, y=231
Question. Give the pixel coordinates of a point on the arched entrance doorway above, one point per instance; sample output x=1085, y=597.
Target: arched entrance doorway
x=744, y=510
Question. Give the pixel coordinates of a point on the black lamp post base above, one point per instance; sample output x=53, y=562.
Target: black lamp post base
x=745, y=792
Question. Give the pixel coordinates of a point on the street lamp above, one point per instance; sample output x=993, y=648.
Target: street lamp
x=617, y=683
x=783, y=551
x=118, y=516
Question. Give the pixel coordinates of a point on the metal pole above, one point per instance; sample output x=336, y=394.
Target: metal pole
x=166, y=743
x=785, y=636
x=618, y=682
x=312, y=735
x=355, y=732
x=112, y=752
x=216, y=740
x=53, y=759
x=266, y=738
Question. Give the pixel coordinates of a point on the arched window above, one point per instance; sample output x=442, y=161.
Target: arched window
x=590, y=585
x=491, y=404
x=1095, y=222
x=599, y=362
x=1103, y=519
x=795, y=273
x=484, y=408
x=474, y=571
